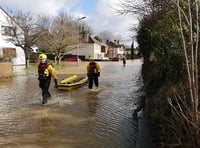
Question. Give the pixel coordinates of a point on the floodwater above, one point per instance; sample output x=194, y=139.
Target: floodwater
x=73, y=119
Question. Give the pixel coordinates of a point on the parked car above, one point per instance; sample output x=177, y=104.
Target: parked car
x=115, y=59
x=72, y=59
x=105, y=58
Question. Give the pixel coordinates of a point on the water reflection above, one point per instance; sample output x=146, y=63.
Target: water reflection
x=77, y=118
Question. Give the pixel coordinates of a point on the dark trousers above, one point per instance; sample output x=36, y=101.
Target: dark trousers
x=92, y=79
x=124, y=62
x=44, y=85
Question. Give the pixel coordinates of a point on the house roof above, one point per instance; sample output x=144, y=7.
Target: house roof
x=10, y=17
x=93, y=40
x=5, y=12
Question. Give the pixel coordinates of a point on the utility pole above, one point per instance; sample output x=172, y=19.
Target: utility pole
x=77, y=46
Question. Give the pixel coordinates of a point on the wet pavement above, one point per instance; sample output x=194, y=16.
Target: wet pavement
x=75, y=119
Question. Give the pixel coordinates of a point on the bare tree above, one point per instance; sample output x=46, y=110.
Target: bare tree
x=106, y=35
x=26, y=34
x=139, y=8
x=188, y=13
x=185, y=109
x=43, y=25
x=62, y=35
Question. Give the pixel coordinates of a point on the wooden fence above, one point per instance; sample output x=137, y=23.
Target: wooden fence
x=5, y=70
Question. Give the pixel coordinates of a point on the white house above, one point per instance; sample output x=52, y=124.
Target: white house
x=92, y=48
x=8, y=51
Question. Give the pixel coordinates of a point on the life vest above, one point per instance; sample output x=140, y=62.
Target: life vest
x=43, y=72
x=93, y=68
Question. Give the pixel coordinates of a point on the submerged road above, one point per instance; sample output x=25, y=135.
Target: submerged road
x=78, y=118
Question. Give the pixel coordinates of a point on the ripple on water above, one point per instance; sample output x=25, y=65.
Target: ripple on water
x=76, y=118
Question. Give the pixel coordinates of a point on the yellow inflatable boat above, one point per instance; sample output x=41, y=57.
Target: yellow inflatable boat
x=72, y=82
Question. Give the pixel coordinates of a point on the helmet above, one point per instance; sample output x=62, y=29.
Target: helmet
x=91, y=58
x=42, y=56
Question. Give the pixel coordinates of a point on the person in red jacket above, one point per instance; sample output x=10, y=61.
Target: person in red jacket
x=93, y=72
x=45, y=72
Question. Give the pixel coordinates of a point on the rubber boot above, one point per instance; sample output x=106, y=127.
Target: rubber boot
x=44, y=100
x=49, y=96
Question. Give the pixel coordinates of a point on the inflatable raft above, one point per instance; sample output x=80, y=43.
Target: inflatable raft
x=72, y=82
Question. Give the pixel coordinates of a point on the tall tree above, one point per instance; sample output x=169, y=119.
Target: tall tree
x=26, y=36
x=132, y=49
x=61, y=33
x=106, y=36
x=168, y=37
x=62, y=36
x=188, y=14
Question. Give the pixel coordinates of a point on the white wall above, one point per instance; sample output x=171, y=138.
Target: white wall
x=20, y=56
x=88, y=50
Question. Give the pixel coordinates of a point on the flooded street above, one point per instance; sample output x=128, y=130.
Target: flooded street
x=73, y=119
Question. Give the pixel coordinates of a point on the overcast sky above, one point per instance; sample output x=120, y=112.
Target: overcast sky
x=99, y=14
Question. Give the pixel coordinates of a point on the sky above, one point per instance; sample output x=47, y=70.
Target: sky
x=99, y=13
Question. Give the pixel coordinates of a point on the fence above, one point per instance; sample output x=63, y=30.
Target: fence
x=5, y=70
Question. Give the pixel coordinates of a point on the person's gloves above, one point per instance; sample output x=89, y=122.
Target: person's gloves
x=56, y=83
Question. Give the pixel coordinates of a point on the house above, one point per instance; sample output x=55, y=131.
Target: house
x=115, y=50
x=8, y=51
x=90, y=47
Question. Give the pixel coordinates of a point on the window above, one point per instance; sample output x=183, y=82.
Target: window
x=8, y=31
x=9, y=52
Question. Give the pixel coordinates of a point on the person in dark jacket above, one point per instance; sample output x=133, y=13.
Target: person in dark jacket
x=93, y=72
x=124, y=61
x=45, y=72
